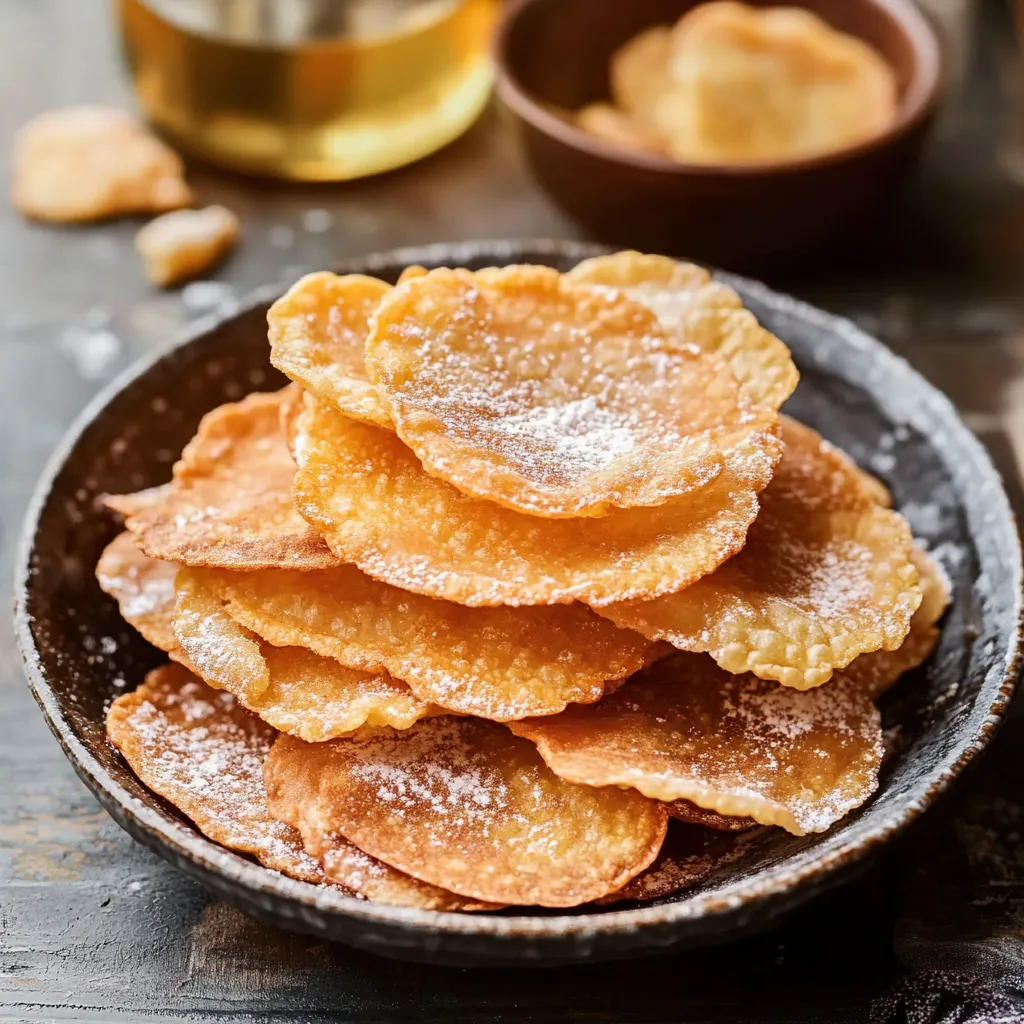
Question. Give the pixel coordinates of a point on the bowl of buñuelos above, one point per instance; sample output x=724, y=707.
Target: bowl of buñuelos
x=738, y=134
x=520, y=602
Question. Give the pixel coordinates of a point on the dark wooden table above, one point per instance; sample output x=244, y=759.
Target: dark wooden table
x=93, y=927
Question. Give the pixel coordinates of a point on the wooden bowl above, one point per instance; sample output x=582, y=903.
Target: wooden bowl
x=79, y=653
x=555, y=53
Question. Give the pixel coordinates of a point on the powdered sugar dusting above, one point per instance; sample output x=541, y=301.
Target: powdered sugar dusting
x=579, y=432
x=198, y=749
x=735, y=744
x=462, y=804
x=518, y=387
x=825, y=576
x=143, y=588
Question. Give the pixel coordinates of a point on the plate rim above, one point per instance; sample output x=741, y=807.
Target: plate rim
x=789, y=882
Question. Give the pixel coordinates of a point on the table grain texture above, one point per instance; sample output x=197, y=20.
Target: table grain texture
x=95, y=928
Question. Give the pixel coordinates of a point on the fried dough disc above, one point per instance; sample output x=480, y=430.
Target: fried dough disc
x=688, y=855
x=318, y=330
x=639, y=72
x=463, y=804
x=877, y=671
x=223, y=653
x=368, y=495
x=296, y=801
x=686, y=810
x=690, y=305
x=735, y=744
x=133, y=504
x=306, y=695
x=756, y=85
x=825, y=575
x=293, y=689
x=518, y=387
x=143, y=588
x=230, y=502
x=497, y=663
x=199, y=750
x=293, y=401
x=318, y=699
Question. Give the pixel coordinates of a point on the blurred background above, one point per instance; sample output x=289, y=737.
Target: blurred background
x=332, y=128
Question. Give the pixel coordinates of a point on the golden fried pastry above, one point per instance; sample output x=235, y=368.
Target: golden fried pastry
x=293, y=689
x=498, y=663
x=199, y=750
x=143, y=588
x=518, y=387
x=825, y=575
x=86, y=163
x=382, y=574
x=411, y=271
x=137, y=502
x=293, y=403
x=345, y=864
x=184, y=243
x=611, y=125
x=877, y=671
x=230, y=501
x=297, y=803
x=318, y=699
x=369, y=497
x=318, y=330
x=760, y=84
x=688, y=856
x=694, y=308
x=462, y=804
x=639, y=73
x=740, y=746
x=220, y=651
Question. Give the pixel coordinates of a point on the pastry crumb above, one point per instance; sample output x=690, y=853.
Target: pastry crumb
x=184, y=243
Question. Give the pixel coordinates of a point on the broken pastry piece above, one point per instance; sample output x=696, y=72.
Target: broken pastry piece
x=88, y=163
x=184, y=243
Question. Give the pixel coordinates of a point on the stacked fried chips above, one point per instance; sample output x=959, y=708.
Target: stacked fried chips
x=523, y=593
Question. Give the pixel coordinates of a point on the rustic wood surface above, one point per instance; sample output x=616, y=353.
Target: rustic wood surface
x=93, y=927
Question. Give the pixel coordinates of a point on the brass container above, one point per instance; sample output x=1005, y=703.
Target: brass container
x=313, y=90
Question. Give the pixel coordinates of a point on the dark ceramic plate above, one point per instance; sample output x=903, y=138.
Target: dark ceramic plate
x=78, y=652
